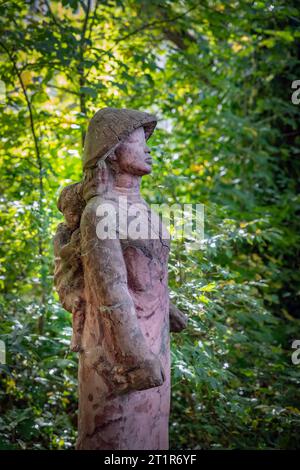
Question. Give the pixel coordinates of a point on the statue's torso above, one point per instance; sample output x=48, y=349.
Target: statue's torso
x=137, y=420
x=146, y=259
x=144, y=242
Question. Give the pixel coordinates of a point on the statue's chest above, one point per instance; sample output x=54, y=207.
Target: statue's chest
x=145, y=250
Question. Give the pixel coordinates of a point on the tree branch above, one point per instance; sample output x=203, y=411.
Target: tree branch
x=80, y=68
x=146, y=26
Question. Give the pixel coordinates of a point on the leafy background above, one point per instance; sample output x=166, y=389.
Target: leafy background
x=219, y=75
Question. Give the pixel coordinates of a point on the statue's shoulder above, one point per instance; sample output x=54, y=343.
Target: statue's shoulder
x=95, y=208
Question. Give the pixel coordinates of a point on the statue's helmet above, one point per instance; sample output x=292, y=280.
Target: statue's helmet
x=111, y=126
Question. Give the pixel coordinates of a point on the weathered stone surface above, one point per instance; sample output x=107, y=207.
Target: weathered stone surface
x=125, y=345
x=68, y=273
x=117, y=290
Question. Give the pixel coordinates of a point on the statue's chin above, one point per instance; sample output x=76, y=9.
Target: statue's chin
x=148, y=171
x=141, y=171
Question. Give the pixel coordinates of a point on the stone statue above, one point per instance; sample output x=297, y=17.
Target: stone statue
x=115, y=284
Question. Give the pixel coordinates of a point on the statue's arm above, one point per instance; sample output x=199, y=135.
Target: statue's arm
x=178, y=320
x=105, y=278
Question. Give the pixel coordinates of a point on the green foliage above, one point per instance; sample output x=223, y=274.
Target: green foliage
x=219, y=76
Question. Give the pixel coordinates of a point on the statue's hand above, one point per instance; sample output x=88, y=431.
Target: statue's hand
x=178, y=320
x=148, y=373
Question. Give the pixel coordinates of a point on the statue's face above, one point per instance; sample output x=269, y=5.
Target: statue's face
x=133, y=155
x=72, y=219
